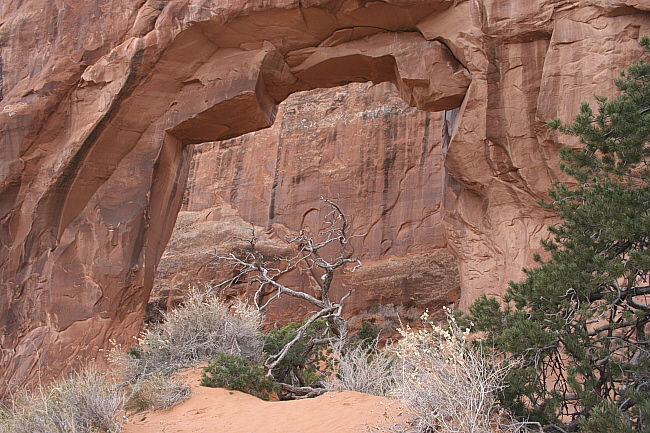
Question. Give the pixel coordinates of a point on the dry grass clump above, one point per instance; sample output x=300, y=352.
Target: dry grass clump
x=363, y=369
x=157, y=392
x=85, y=402
x=196, y=331
x=447, y=383
x=88, y=402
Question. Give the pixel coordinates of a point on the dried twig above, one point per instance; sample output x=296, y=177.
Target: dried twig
x=326, y=253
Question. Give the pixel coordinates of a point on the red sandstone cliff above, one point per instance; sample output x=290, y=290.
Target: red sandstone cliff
x=101, y=100
x=361, y=144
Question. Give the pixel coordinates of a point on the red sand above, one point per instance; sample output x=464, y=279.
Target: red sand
x=220, y=410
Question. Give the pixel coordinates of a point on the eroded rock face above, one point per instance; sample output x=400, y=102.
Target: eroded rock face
x=360, y=144
x=101, y=100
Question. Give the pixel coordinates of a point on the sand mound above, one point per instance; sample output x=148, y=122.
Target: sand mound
x=220, y=410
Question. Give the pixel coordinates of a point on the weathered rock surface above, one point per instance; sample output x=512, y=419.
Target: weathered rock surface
x=361, y=144
x=100, y=100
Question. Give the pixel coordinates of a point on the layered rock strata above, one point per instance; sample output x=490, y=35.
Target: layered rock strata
x=100, y=101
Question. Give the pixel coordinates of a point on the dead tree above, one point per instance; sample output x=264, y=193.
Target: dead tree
x=327, y=252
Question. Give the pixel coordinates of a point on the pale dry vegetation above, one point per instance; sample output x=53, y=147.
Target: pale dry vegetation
x=85, y=402
x=363, y=369
x=447, y=383
x=196, y=331
x=157, y=392
x=203, y=327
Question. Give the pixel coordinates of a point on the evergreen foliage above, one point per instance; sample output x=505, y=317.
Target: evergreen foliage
x=301, y=365
x=236, y=373
x=580, y=319
x=367, y=335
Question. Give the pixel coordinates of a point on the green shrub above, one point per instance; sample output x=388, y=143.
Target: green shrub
x=134, y=352
x=304, y=358
x=367, y=335
x=579, y=320
x=238, y=374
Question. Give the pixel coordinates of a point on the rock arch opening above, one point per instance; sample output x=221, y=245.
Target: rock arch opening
x=104, y=199
x=361, y=143
x=96, y=116
x=219, y=102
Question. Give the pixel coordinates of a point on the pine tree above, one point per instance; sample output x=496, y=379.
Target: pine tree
x=579, y=321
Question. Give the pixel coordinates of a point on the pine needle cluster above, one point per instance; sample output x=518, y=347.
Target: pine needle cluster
x=580, y=318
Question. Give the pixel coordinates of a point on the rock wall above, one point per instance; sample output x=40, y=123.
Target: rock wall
x=362, y=145
x=102, y=99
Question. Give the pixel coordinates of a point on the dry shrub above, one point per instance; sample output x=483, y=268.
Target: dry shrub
x=447, y=383
x=202, y=327
x=363, y=369
x=196, y=331
x=157, y=392
x=85, y=402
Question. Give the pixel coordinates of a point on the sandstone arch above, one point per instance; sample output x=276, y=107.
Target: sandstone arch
x=100, y=99
x=97, y=211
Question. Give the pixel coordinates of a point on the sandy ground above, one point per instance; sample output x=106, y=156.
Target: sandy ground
x=219, y=410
